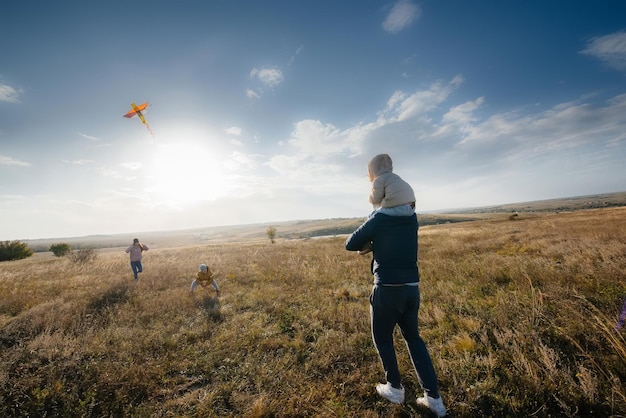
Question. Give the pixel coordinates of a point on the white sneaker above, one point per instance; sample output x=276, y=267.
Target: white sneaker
x=435, y=405
x=390, y=393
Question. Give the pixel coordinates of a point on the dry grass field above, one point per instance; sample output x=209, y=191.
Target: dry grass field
x=518, y=315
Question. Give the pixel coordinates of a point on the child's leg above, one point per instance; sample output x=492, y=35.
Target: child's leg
x=367, y=248
x=194, y=284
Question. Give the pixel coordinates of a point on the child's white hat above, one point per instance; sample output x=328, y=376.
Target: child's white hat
x=203, y=268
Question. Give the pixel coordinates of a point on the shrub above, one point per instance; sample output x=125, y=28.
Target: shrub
x=60, y=249
x=271, y=233
x=14, y=250
x=82, y=256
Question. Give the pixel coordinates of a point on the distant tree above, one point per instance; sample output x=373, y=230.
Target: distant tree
x=14, y=250
x=60, y=249
x=82, y=256
x=271, y=233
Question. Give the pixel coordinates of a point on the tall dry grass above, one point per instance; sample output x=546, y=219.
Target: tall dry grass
x=518, y=316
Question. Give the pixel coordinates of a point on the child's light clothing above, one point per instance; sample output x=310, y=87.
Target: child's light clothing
x=402, y=210
x=204, y=279
x=388, y=189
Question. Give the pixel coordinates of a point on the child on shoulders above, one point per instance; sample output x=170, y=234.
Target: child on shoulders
x=390, y=194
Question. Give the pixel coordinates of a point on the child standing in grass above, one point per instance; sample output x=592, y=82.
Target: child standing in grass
x=390, y=194
x=136, y=251
x=204, y=278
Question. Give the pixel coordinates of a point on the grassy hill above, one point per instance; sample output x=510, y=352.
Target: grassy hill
x=568, y=204
x=302, y=229
x=518, y=314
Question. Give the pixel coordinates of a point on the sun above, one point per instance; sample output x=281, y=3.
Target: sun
x=184, y=173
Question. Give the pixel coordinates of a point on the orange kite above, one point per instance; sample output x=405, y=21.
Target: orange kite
x=136, y=111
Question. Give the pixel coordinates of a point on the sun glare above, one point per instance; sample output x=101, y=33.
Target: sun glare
x=185, y=173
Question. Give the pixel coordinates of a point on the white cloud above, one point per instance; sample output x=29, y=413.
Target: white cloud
x=315, y=144
x=239, y=161
x=251, y=94
x=401, y=15
x=293, y=57
x=314, y=138
x=270, y=76
x=9, y=94
x=132, y=165
x=610, y=49
x=78, y=162
x=553, y=147
x=110, y=172
x=462, y=114
x=10, y=197
x=4, y=160
x=460, y=118
x=402, y=106
x=233, y=130
x=92, y=138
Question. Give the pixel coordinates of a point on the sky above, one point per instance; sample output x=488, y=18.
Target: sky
x=268, y=111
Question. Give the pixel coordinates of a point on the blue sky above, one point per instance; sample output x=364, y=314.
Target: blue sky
x=264, y=111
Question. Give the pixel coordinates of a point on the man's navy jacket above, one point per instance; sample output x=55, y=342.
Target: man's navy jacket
x=394, y=241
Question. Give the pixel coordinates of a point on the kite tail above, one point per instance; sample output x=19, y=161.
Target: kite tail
x=622, y=318
x=150, y=130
